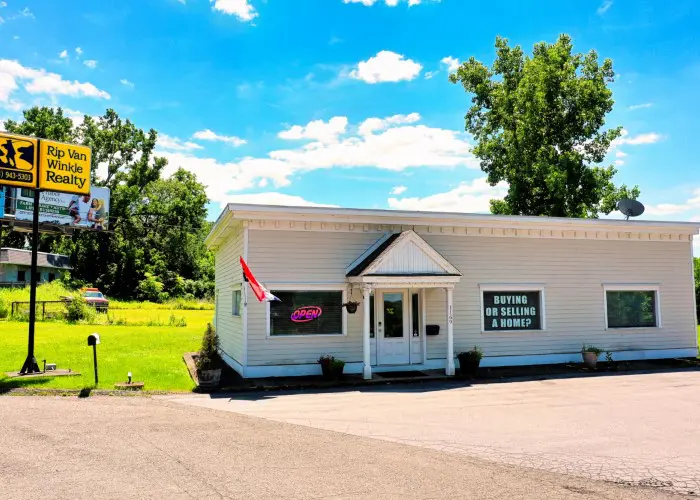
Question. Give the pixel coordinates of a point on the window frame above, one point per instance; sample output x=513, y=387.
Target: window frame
x=514, y=287
x=308, y=288
x=632, y=287
x=234, y=313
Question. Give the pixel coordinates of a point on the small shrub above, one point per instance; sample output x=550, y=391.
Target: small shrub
x=78, y=310
x=177, y=322
x=4, y=309
x=208, y=356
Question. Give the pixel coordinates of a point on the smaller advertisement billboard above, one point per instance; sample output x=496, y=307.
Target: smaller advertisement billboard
x=89, y=211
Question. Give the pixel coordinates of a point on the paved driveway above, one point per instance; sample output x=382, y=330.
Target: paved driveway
x=641, y=429
x=137, y=447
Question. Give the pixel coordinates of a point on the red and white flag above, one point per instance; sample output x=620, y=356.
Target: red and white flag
x=261, y=293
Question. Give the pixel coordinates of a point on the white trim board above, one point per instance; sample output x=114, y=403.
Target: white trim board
x=435, y=364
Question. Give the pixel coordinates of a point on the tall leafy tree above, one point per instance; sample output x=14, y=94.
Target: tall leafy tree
x=538, y=124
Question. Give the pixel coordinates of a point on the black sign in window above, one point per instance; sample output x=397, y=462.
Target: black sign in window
x=307, y=313
x=512, y=311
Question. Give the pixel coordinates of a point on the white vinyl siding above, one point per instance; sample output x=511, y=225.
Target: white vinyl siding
x=229, y=277
x=572, y=272
x=299, y=257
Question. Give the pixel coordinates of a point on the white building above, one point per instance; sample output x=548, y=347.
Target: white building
x=527, y=290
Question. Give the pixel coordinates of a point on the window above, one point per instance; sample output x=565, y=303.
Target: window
x=307, y=313
x=508, y=308
x=415, y=323
x=630, y=308
x=371, y=316
x=52, y=277
x=236, y=303
x=21, y=276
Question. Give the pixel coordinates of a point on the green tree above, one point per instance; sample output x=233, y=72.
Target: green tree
x=537, y=121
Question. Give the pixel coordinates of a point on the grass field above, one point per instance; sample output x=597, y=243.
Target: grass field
x=152, y=353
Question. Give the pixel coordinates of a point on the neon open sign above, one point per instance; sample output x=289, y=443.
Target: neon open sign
x=306, y=314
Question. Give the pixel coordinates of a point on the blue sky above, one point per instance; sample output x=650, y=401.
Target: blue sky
x=346, y=102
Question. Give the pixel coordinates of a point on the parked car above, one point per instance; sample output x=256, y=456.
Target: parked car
x=94, y=297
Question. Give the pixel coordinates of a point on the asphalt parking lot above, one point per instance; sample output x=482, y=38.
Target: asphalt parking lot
x=142, y=447
x=638, y=429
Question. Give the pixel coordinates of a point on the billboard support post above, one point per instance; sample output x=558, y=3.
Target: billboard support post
x=30, y=364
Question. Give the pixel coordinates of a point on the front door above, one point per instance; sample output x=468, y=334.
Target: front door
x=393, y=334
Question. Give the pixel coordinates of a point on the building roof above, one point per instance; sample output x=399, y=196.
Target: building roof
x=401, y=254
x=250, y=212
x=24, y=258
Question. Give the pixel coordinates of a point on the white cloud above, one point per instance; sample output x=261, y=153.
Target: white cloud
x=208, y=135
x=626, y=138
x=173, y=143
x=63, y=55
x=40, y=81
x=3, y=4
x=126, y=83
x=620, y=154
x=467, y=197
x=222, y=179
x=641, y=106
x=604, y=7
x=242, y=9
x=666, y=209
x=90, y=63
x=371, y=125
x=390, y=3
x=274, y=199
x=386, y=66
x=398, y=147
x=429, y=74
x=452, y=63
x=318, y=130
x=79, y=51
x=77, y=117
x=397, y=190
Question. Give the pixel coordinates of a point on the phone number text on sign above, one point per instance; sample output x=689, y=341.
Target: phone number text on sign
x=14, y=175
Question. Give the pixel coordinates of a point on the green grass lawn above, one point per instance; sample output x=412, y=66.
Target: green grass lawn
x=152, y=353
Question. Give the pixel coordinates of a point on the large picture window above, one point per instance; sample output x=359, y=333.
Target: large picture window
x=512, y=309
x=632, y=308
x=307, y=313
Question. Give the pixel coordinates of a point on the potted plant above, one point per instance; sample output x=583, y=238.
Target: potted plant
x=351, y=306
x=337, y=367
x=207, y=362
x=326, y=361
x=469, y=361
x=590, y=355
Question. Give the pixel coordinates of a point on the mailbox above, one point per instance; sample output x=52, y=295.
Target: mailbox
x=94, y=339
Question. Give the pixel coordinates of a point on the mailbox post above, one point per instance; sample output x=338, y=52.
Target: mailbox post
x=94, y=339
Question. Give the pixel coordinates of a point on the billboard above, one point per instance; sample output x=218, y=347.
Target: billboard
x=17, y=160
x=64, y=167
x=89, y=211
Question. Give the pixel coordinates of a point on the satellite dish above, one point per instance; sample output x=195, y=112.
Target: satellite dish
x=630, y=208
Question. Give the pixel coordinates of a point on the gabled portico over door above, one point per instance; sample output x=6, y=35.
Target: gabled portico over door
x=389, y=268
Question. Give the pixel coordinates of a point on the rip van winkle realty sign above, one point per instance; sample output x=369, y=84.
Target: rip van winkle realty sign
x=512, y=311
x=79, y=210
